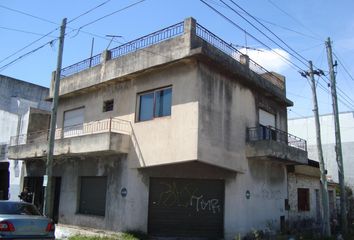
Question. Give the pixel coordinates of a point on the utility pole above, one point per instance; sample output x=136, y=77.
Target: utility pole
x=324, y=190
x=343, y=203
x=49, y=170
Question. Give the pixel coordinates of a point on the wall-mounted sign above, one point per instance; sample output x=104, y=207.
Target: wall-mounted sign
x=248, y=194
x=124, y=192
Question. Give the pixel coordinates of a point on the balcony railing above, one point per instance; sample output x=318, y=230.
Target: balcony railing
x=227, y=48
x=129, y=47
x=114, y=125
x=271, y=133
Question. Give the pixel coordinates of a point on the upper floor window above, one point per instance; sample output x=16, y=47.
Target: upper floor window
x=73, y=122
x=108, y=105
x=153, y=104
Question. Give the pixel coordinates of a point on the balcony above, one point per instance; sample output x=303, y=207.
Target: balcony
x=107, y=136
x=273, y=144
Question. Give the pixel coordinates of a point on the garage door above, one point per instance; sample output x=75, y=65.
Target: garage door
x=186, y=208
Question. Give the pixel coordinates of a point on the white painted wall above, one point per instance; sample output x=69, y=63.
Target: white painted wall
x=305, y=128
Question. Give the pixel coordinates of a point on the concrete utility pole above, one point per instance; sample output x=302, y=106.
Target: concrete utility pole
x=325, y=203
x=343, y=203
x=49, y=171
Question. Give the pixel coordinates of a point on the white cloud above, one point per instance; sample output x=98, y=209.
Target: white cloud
x=269, y=59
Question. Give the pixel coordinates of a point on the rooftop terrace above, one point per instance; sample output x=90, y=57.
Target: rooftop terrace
x=172, y=43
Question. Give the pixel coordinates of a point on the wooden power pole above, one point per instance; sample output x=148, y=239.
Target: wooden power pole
x=339, y=156
x=324, y=190
x=48, y=201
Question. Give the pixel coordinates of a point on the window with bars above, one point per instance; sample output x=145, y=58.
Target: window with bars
x=108, y=105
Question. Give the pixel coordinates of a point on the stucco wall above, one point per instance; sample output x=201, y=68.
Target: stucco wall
x=298, y=218
x=161, y=140
x=267, y=186
x=226, y=109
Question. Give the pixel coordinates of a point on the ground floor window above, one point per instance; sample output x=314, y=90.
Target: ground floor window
x=93, y=195
x=303, y=199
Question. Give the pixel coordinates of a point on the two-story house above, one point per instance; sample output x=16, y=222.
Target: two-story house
x=174, y=134
x=18, y=101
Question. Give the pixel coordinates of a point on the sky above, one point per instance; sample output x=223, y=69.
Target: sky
x=303, y=25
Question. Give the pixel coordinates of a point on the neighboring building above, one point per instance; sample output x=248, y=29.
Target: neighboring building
x=305, y=128
x=305, y=199
x=174, y=134
x=17, y=100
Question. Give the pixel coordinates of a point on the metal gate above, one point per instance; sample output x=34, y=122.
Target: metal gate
x=186, y=208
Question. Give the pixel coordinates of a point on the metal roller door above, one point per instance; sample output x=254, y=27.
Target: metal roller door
x=186, y=208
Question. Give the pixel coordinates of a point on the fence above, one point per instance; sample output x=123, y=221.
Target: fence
x=148, y=40
x=132, y=46
x=106, y=125
x=227, y=48
x=271, y=133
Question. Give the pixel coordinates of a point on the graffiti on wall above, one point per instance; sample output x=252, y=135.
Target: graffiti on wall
x=187, y=196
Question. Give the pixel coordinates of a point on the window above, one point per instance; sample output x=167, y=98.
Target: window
x=303, y=199
x=93, y=195
x=3, y=151
x=154, y=104
x=267, y=125
x=73, y=122
x=108, y=105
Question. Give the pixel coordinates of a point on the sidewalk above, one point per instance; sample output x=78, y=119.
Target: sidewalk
x=63, y=232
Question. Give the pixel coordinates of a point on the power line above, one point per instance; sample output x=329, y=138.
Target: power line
x=45, y=20
x=110, y=14
x=90, y=10
x=24, y=31
x=30, y=52
x=26, y=54
x=342, y=64
x=275, y=35
x=272, y=23
x=28, y=45
x=256, y=39
x=27, y=14
x=293, y=18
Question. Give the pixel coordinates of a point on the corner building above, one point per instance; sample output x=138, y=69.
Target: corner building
x=176, y=134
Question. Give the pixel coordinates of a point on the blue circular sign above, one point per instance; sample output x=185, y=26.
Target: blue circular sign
x=124, y=192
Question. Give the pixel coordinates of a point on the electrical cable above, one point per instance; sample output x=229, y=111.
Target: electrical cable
x=46, y=20
x=256, y=39
x=342, y=64
x=275, y=35
x=30, y=52
x=26, y=54
x=24, y=31
x=294, y=19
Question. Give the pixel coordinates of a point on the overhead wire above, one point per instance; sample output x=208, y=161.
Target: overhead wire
x=36, y=49
x=253, y=37
x=24, y=31
x=345, y=101
x=294, y=19
x=343, y=66
x=45, y=20
x=342, y=94
x=275, y=35
x=271, y=23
